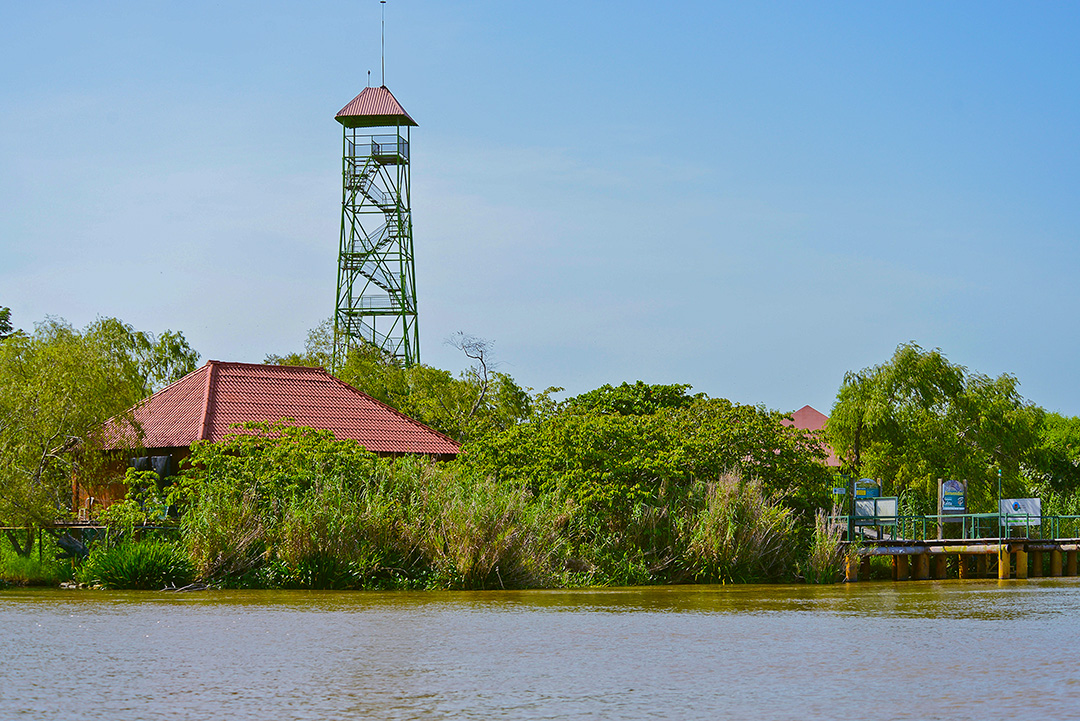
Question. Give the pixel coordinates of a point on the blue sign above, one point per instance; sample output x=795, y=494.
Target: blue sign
x=867, y=488
x=953, y=499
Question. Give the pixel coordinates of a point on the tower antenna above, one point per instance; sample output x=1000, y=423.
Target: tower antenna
x=383, y=4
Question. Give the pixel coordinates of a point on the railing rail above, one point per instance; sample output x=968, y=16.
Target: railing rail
x=973, y=526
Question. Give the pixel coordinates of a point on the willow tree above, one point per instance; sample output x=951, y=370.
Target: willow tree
x=919, y=417
x=57, y=386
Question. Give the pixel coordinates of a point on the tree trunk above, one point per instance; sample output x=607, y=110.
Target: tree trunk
x=21, y=549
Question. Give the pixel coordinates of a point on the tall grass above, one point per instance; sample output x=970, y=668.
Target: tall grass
x=40, y=568
x=825, y=557
x=740, y=535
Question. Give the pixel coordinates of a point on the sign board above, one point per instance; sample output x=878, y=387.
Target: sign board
x=875, y=511
x=953, y=497
x=839, y=491
x=867, y=488
x=1021, y=511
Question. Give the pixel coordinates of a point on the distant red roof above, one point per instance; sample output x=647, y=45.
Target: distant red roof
x=207, y=402
x=808, y=418
x=374, y=107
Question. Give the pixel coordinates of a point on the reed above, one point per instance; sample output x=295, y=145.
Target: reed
x=825, y=556
x=741, y=535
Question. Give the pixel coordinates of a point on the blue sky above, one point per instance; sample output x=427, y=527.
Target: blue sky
x=752, y=198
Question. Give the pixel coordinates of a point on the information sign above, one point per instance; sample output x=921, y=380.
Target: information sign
x=1021, y=511
x=953, y=497
x=867, y=488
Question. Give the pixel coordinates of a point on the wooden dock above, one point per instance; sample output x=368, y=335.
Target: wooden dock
x=1002, y=558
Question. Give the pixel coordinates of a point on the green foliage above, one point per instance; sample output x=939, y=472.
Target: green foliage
x=469, y=406
x=919, y=418
x=476, y=402
x=56, y=387
x=639, y=399
x=825, y=556
x=140, y=565
x=1055, y=464
x=279, y=505
x=6, y=329
x=613, y=461
x=21, y=569
x=741, y=535
x=146, y=361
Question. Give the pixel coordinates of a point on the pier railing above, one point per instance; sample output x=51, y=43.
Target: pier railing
x=971, y=526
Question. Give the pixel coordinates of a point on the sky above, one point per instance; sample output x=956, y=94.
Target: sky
x=750, y=198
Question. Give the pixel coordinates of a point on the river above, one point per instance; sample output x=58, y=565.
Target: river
x=918, y=650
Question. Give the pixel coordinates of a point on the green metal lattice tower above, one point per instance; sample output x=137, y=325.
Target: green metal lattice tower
x=376, y=289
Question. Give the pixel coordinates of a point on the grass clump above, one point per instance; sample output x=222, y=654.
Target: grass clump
x=825, y=557
x=138, y=565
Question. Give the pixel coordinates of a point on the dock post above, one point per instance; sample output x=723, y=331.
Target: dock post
x=980, y=566
x=939, y=566
x=1021, y=563
x=1036, y=564
x=901, y=571
x=1004, y=561
x=922, y=566
x=864, y=568
x=963, y=565
x=851, y=569
x=1055, y=562
x=1070, y=563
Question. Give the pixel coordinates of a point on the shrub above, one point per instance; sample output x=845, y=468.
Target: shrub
x=143, y=565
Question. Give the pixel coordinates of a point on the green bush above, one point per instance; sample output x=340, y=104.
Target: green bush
x=142, y=565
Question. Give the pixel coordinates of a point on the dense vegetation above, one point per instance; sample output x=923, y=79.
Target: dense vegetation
x=627, y=484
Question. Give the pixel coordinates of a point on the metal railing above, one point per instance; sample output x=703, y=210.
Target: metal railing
x=973, y=526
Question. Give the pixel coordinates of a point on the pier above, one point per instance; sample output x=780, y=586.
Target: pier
x=989, y=545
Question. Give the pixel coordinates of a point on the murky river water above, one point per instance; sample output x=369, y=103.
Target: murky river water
x=978, y=650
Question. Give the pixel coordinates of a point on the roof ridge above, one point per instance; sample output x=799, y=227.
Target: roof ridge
x=204, y=426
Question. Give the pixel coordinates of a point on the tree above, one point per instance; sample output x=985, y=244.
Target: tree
x=1054, y=467
x=318, y=349
x=6, y=329
x=148, y=360
x=639, y=399
x=57, y=387
x=476, y=402
x=919, y=417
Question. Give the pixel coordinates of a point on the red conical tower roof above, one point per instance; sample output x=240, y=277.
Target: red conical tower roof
x=374, y=107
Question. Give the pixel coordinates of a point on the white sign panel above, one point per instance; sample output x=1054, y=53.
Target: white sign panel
x=1021, y=511
x=881, y=510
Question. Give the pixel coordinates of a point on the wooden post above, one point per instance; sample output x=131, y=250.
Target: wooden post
x=1036, y=564
x=1055, y=562
x=940, y=525
x=1070, y=563
x=939, y=566
x=963, y=565
x=1004, y=561
x=901, y=569
x=1021, y=564
x=864, y=568
x=980, y=566
x=851, y=569
x=922, y=566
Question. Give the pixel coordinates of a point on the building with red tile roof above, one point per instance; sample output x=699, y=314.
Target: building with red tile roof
x=207, y=403
x=810, y=419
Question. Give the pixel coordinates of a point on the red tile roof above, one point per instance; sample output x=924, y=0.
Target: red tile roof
x=808, y=418
x=207, y=402
x=374, y=107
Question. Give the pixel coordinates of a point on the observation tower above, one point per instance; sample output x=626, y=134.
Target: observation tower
x=376, y=288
